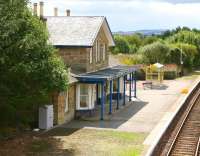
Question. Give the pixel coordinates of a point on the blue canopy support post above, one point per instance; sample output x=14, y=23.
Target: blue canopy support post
x=135, y=85
x=132, y=79
x=129, y=87
x=124, y=97
x=102, y=100
x=111, y=89
x=97, y=93
x=118, y=90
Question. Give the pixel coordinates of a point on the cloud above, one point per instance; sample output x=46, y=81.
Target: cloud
x=133, y=14
x=170, y=1
x=181, y=1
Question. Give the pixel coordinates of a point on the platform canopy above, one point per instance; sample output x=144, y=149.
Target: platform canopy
x=106, y=74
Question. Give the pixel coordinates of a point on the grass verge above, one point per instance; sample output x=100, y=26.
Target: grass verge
x=92, y=142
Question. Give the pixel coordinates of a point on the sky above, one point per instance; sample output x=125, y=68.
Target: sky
x=131, y=15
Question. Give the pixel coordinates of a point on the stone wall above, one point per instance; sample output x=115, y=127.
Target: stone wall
x=71, y=103
x=59, y=100
x=101, y=37
x=76, y=58
x=54, y=100
x=79, y=58
x=58, y=105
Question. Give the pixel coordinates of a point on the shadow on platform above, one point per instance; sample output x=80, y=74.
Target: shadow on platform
x=113, y=121
x=159, y=87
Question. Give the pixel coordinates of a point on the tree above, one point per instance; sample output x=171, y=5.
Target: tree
x=172, y=32
x=134, y=40
x=166, y=34
x=149, y=40
x=186, y=28
x=29, y=66
x=188, y=52
x=155, y=52
x=196, y=30
x=132, y=48
x=188, y=37
x=121, y=45
x=176, y=30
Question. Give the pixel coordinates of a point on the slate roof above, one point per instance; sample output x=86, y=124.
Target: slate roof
x=76, y=30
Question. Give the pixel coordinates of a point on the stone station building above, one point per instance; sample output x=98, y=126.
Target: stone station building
x=83, y=42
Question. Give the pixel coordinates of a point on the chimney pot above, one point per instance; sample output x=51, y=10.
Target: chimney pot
x=55, y=11
x=35, y=9
x=41, y=9
x=68, y=12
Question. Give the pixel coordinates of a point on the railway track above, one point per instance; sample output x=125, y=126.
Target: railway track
x=182, y=138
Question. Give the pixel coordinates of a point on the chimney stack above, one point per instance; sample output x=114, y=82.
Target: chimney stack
x=35, y=9
x=41, y=9
x=68, y=12
x=55, y=11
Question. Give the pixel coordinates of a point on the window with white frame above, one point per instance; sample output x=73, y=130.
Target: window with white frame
x=104, y=52
x=99, y=52
x=91, y=56
x=85, y=96
x=96, y=51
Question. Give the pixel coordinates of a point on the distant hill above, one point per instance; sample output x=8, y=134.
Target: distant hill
x=144, y=32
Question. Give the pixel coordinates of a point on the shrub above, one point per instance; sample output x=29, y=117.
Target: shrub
x=170, y=75
x=29, y=66
x=131, y=59
x=121, y=45
x=132, y=48
x=185, y=36
x=150, y=40
x=188, y=54
x=155, y=52
x=135, y=40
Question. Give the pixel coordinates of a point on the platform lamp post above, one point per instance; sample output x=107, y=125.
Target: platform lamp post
x=130, y=79
x=118, y=92
x=135, y=85
x=102, y=100
x=181, y=60
x=111, y=92
x=124, y=97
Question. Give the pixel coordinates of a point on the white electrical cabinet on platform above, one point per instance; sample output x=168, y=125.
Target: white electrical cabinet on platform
x=46, y=117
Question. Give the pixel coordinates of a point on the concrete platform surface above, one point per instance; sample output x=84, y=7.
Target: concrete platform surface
x=160, y=128
x=145, y=112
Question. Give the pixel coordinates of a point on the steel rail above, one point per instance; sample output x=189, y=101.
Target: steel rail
x=193, y=102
